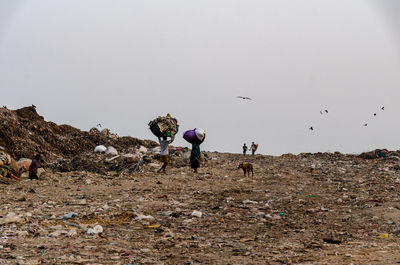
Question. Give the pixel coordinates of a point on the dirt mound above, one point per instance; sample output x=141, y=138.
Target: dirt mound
x=24, y=133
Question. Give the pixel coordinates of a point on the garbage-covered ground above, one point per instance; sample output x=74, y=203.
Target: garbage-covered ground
x=112, y=207
x=304, y=209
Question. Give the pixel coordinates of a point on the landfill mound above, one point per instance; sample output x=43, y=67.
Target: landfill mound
x=24, y=133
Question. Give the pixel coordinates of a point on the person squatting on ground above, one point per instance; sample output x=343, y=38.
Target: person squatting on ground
x=253, y=148
x=244, y=149
x=195, y=157
x=164, y=152
x=33, y=168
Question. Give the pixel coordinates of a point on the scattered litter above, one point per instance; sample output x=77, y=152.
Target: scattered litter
x=98, y=229
x=197, y=214
x=144, y=217
x=385, y=235
x=153, y=226
x=111, y=151
x=69, y=215
x=100, y=149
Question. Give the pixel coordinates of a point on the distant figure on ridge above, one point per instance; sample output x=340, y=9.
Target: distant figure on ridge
x=253, y=148
x=244, y=149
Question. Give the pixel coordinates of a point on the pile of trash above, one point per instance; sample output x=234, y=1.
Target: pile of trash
x=24, y=133
x=103, y=160
x=379, y=153
x=105, y=132
x=164, y=126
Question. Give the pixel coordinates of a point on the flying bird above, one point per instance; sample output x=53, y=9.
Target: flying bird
x=326, y=111
x=383, y=108
x=374, y=114
x=311, y=128
x=366, y=124
x=98, y=125
x=244, y=97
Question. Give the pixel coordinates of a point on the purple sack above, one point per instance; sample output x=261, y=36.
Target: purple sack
x=190, y=136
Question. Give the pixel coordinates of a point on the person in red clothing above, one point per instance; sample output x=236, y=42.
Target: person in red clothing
x=33, y=168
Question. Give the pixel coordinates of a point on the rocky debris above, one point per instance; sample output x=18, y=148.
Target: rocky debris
x=11, y=217
x=345, y=210
x=120, y=164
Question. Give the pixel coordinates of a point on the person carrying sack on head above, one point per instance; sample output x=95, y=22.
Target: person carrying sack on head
x=164, y=152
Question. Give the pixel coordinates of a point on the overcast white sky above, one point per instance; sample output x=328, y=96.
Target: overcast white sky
x=122, y=63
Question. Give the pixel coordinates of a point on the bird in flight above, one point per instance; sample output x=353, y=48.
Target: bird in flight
x=98, y=125
x=383, y=108
x=311, y=128
x=374, y=114
x=326, y=111
x=366, y=124
x=244, y=97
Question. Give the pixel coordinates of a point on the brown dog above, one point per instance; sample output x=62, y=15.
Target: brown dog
x=247, y=167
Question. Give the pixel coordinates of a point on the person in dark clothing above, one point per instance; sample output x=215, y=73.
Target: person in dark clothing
x=244, y=149
x=33, y=168
x=195, y=156
x=253, y=148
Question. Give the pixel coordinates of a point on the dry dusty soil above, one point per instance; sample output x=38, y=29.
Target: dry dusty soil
x=344, y=211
